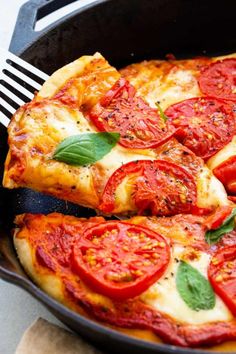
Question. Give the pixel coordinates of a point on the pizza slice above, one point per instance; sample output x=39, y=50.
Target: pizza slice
x=89, y=138
x=158, y=275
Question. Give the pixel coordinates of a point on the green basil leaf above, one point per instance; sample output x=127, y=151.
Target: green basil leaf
x=162, y=114
x=213, y=236
x=85, y=149
x=194, y=288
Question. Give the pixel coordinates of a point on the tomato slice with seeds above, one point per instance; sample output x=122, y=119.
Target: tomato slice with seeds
x=219, y=79
x=159, y=188
x=226, y=173
x=222, y=275
x=120, y=260
x=122, y=111
x=204, y=125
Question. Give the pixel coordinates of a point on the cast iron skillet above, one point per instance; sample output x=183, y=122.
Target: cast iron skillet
x=124, y=31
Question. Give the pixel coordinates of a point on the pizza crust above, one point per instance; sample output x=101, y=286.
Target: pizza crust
x=59, y=78
x=44, y=279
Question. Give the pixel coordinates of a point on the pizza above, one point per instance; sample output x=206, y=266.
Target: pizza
x=160, y=275
x=91, y=137
x=153, y=143
x=191, y=92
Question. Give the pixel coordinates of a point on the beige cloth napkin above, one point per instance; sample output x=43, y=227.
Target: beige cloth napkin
x=43, y=337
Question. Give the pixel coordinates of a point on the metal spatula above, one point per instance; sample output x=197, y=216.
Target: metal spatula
x=18, y=82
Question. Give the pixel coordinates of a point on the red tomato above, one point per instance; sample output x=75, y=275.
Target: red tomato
x=222, y=275
x=122, y=111
x=216, y=219
x=226, y=173
x=160, y=188
x=120, y=260
x=219, y=79
x=232, y=198
x=205, y=125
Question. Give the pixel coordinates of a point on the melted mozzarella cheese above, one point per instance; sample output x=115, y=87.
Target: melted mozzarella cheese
x=177, y=86
x=210, y=190
x=68, y=122
x=124, y=195
x=164, y=296
x=224, y=154
x=119, y=156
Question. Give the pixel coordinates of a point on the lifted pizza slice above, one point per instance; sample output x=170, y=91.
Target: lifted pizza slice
x=85, y=126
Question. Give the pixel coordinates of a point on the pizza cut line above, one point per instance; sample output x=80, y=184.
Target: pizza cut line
x=157, y=140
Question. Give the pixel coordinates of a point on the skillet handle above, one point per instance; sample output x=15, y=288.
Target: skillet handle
x=24, y=33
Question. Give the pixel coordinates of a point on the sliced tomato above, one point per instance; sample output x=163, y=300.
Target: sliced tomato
x=226, y=173
x=204, y=125
x=222, y=275
x=216, y=219
x=160, y=188
x=120, y=260
x=219, y=79
x=122, y=111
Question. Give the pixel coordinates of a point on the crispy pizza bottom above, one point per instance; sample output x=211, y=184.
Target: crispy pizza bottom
x=44, y=245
